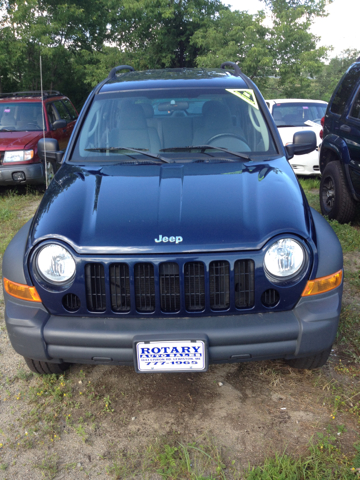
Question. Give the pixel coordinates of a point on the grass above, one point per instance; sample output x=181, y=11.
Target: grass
x=48, y=467
x=203, y=460
x=172, y=459
x=13, y=211
x=311, y=188
x=349, y=332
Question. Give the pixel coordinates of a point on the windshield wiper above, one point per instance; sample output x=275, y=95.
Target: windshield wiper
x=203, y=148
x=142, y=151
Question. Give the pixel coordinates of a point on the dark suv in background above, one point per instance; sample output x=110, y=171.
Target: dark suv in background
x=340, y=150
x=24, y=118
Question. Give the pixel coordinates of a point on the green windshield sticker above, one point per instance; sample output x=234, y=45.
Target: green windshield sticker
x=245, y=94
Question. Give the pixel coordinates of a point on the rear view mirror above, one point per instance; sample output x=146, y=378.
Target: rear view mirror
x=59, y=124
x=172, y=106
x=303, y=142
x=49, y=147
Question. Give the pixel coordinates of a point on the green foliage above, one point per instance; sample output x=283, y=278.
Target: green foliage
x=79, y=41
x=326, y=81
x=323, y=461
x=16, y=207
x=48, y=466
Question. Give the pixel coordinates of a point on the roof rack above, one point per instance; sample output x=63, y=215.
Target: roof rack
x=32, y=93
x=113, y=72
x=232, y=65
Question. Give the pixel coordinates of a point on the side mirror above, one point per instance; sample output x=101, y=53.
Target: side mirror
x=49, y=148
x=303, y=142
x=59, y=124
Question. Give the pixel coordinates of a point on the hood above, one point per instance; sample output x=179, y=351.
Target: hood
x=19, y=140
x=129, y=209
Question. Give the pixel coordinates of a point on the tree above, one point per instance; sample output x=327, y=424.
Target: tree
x=239, y=37
x=281, y=55
x=330, y=75
x=158, y=33
x=297, y=60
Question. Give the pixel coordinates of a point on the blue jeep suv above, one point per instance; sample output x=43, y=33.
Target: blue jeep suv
x=174, y=234
x=340, y=149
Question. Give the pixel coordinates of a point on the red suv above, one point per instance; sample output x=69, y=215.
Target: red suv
x=25, y=117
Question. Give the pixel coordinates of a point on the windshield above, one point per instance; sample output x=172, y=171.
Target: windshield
x=166, y=123
x=18, y=116
x=298, y=114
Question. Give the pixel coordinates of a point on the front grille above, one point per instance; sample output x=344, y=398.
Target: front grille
x=95, y=287
x=145, y=287
x=171, y=287
x=219, y=285
x=194, y=286
x=120, y=287
x=244, y=284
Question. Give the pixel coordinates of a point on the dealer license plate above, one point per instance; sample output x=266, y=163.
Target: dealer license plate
x=177, y=355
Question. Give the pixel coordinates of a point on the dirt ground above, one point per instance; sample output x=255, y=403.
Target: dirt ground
x=248, y=410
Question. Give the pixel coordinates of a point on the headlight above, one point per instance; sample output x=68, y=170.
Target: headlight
x=284, y=258
x=18, y=156
x=55, y=264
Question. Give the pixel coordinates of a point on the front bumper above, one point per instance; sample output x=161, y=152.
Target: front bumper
x=307, y=164
x=34, y=174
x=306, y=330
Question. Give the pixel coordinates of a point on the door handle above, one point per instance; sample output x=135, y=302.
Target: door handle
x=345, y=128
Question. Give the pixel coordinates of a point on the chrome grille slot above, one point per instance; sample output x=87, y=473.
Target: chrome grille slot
x=244, y=284
x=120, y=287
x=95, y=287
x=169, y=287
x=194, y=286
x=219, y=285
x=144, y=287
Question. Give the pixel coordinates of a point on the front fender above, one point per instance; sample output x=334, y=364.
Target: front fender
x=13, y=260
x=330, y=256
x=333, y=146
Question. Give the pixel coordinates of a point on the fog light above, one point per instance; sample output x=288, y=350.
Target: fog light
x=18, y=176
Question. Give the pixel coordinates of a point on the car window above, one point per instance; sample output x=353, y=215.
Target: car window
x=63, y=112
x=21, y=116
x=355, y=109
x=160, y=120
x=51, y=112
x=71, y=109
x=296, y=114
x=345, y=90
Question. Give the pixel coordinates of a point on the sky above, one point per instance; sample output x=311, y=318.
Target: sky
x=339, y=29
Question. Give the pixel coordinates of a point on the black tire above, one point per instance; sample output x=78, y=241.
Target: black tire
x=336, y=201
x=46, y=368
x=309, y=363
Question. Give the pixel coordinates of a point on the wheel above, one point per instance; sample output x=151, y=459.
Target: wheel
x=335, y=199
x=46, y=367
x=309, y=363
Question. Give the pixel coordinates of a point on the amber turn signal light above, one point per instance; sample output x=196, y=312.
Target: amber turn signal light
x=19, y=290
x=323, y=284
